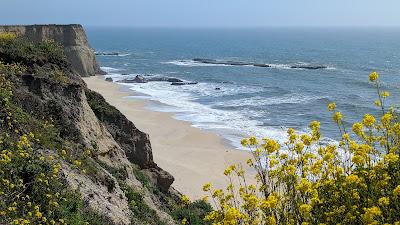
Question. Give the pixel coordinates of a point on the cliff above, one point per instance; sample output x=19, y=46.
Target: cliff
x=81, y=159
x=71, y=37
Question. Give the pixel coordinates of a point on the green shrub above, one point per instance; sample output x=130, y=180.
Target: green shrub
x=32, y=188
x=353, y=181
x=193, y=213
x=43, y=59
x=142, y=213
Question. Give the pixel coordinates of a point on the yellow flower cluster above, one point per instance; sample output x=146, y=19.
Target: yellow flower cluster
x=31, y=190
x=303, y=181
x=18, y=207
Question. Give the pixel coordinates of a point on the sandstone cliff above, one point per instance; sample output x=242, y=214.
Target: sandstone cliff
x=71, y=37
x=47, y=96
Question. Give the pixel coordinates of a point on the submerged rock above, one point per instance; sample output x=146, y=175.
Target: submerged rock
x=142, y=79
x=137, y=79
x=309, y=67
x=166, y=79
x=183, y=83
x=261, y=65
x=240, y=63
x=107, y=53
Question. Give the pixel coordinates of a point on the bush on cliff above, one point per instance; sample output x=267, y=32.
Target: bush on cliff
x=354, y=181
x=45, y=59
x=33, y=188
x=18, y=49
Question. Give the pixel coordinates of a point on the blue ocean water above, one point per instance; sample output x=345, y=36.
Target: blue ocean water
x=254, y=100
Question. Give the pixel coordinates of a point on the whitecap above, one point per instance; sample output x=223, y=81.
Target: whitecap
x=109, y=69
x=275, y=100
x=231, y=125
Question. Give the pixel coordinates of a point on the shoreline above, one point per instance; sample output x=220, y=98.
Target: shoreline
x=192, y=155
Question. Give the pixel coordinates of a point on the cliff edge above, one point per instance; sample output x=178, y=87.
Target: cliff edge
x=82, y=160
x=72, y=37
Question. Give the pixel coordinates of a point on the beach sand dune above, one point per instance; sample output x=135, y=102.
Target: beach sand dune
x=193, y=156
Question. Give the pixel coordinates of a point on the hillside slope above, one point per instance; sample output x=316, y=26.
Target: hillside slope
x=51, y=122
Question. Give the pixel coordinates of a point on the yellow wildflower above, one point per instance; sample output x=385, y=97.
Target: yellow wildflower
x=337, y=117
x=185, y=199
x=271, y=145
x=253, y=140
x=184, y=221
x=391, y=157
x=370, y=214
x=207, y=187
x=386, y=119
x=353, y=179
x=373, y=76
x=332, y=106
x=383, y=201
x=396, y=191
x=245, y=142
x=305, y=209
x=385, y=94
x=77, y=163
x=368, y=120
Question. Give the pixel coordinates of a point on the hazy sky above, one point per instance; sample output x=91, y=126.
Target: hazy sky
x=203, y=13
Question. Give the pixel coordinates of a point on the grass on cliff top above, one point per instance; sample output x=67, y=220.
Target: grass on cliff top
x=44, y=59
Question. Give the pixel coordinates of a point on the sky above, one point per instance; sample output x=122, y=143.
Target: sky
x=203, y=13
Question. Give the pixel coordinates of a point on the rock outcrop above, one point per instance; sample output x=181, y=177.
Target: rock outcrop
x=71, y=37
x=120, y=156
x=239, y=63
x=84, y=118
x=142, y=79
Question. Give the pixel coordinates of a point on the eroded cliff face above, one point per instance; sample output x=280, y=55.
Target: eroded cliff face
x=124, y=184
x=72, y=37
x=87, y=120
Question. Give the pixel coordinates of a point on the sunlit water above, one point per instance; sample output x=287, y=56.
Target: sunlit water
x=237, y=101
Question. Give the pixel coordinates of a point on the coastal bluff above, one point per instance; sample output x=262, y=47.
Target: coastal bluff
x=73, y=39
x=103, y=157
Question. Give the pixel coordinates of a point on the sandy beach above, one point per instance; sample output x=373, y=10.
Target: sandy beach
x=191, y=155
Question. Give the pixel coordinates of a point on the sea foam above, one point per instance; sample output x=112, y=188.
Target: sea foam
x=231, y=125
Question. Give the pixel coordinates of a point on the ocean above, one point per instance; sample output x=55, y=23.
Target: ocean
x=236, y=101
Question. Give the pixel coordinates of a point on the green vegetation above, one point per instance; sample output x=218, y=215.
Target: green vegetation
x=44, y=59
x=100, y=107
x=192, y=213
x=142, y=213
x=354, y=181
x=37, y=141
x=18, y=49
x=32, y=187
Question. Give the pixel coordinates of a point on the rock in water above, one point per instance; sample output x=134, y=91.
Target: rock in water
x=167, y=79
x=137, y=79
x=107, y=53
x=261, y=65
x=183, y=83
x=109, y=79
x=140, y=79
x=308, y=67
